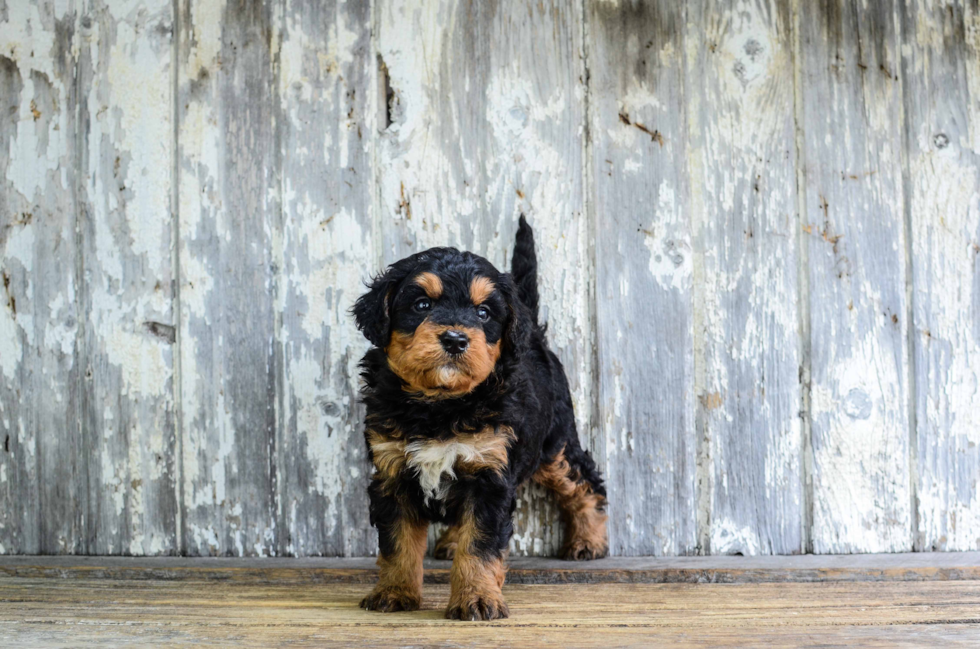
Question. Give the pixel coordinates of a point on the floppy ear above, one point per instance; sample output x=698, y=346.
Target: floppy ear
x=372, y=310
x=520, y=325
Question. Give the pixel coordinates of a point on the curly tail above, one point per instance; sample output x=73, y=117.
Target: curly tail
x=524, y=267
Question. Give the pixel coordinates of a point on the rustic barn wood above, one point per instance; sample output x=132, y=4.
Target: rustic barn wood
x=126, y=289
x=328, y=247
x=941, y=70
x=718, y=569
x=77, y=612
x=853, y=227
x=45, y=506
x=644, y=275
x=757, y=223
x=229, y=225
x=19, y=244
x=742, y=161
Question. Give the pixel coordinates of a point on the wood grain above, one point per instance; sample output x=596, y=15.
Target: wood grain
x=757, y=224
x=484, y=122
x=229, y=222
x=644, y=276
x=328, y=126
x=942, y=84
x=126, y=344
x=721, y=569
x=742, y=161
x=43, y=474
x=19, y=488
x=854, y=229
x=55, y=613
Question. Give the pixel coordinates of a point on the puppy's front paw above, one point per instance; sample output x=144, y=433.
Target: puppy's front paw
x=477, y=606
x=388, y=599
x=584, y=550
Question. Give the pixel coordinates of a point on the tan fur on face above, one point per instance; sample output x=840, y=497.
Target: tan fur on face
x=475, y=582
x=431, y=284
x=399, y=585
x=581, y=508
x=481, y=288
x=419, y=359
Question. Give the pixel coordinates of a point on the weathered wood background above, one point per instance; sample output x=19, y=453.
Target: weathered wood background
x=758, y=223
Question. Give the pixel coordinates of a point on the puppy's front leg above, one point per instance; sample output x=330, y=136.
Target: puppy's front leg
x=401, y=541
x=478, y=571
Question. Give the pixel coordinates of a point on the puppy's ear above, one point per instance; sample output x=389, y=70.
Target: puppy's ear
x=520, y=325
x=372, y=311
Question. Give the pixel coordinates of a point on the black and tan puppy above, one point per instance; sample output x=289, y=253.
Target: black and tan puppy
x=464, y=403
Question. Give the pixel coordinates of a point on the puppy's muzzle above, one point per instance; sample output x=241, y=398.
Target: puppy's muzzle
x=454, y=342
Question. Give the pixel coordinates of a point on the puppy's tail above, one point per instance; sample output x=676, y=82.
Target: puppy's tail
x=524, y=267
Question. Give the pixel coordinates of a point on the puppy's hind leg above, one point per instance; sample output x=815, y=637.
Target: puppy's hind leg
x=446, y=545
x=572, y=476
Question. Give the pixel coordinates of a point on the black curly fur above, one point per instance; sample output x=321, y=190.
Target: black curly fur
x=526, y=391
x=524, y=268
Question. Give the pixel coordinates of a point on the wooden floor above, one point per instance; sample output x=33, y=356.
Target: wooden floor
x=76, y=607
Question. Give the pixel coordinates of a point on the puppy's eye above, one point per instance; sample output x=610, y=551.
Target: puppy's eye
x=423, y=304
x=483, y=313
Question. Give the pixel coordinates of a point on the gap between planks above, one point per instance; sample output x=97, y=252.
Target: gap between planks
x=952, y=566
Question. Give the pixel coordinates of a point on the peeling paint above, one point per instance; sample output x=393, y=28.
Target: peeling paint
x=25, y=38
x=644, y=274
x=663, y=146
x=747, y=321
x=859, y=404
x=945, y=238
x=328, y=249
x=671, y=262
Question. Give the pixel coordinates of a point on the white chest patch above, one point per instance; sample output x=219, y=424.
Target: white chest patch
x=432, y=460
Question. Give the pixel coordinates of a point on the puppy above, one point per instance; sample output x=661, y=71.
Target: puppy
x=464, y=403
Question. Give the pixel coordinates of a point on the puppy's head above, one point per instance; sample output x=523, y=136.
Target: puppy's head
x=444, y=319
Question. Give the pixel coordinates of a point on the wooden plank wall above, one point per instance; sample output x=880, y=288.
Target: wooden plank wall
x=758, y=223
x=644, y=278
x=853, y=228
x=942, y=195
x=743, y=162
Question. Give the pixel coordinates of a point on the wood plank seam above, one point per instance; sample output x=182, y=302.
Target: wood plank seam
x=596, y=439
x=279, y=486
x=181, y=544
x=704, y=475
x=378, y=107
x=83, y=511
x=912, y=379
x=908, y=567
x=803, y=278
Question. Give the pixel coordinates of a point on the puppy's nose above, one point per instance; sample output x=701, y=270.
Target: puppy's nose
x=454, y=341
